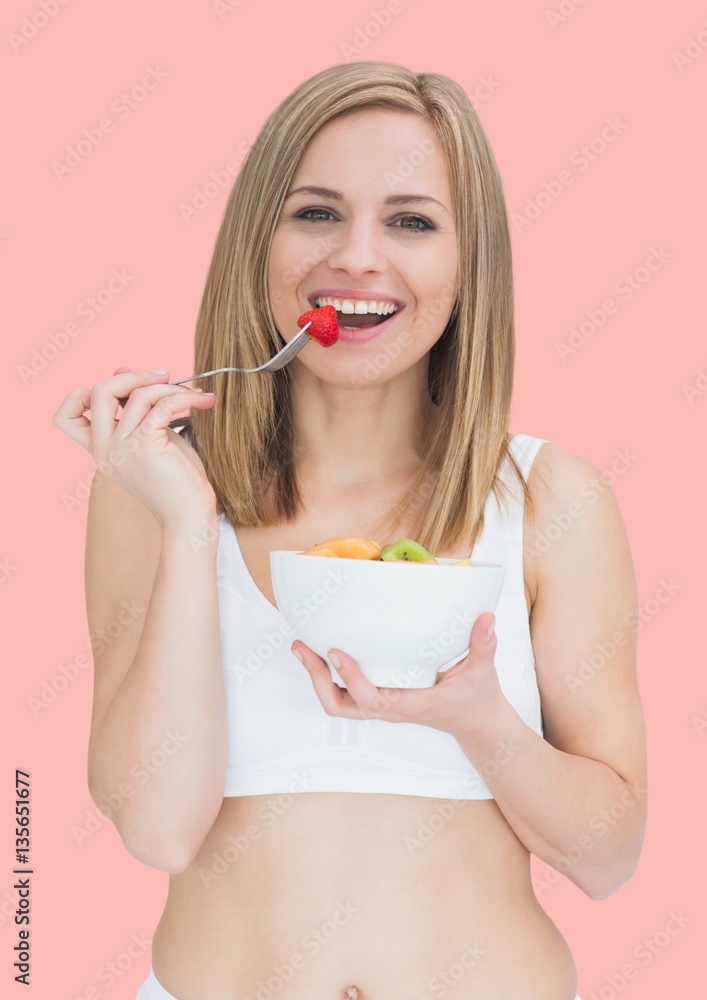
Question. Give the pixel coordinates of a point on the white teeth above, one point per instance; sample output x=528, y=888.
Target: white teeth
x=356, y=305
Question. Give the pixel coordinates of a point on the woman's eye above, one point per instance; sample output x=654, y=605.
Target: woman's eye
x=319, y=211
x=424, y=224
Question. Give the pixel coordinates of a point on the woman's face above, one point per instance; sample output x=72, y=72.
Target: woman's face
x=378, y=229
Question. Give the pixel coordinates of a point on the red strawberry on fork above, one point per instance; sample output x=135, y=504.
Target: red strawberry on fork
x=324, y=328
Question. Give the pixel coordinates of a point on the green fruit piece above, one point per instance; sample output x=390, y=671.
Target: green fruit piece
x=406, y=549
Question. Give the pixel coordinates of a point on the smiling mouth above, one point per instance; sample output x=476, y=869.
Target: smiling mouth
x=358, y=320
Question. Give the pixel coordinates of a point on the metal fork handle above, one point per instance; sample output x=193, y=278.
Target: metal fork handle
x=278, y=360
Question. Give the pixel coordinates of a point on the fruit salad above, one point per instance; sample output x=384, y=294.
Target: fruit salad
x=404, y=550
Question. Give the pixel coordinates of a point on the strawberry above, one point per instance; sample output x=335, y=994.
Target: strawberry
x=324, y=328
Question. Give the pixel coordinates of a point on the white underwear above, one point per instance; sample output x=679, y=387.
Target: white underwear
x=152, y=989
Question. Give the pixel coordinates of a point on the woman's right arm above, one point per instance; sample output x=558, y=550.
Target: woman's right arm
x=158, y=745
x=157, y=753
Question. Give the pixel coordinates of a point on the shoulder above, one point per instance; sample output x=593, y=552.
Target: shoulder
x=561, y=480
x=573, y=505
x=561, y=471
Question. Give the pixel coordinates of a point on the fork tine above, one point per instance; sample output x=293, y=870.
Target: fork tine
x=287, y=353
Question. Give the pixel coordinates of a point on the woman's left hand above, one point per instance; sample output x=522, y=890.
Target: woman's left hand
x=463, y=698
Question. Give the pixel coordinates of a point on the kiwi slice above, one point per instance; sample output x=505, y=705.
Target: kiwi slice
x=406, y=549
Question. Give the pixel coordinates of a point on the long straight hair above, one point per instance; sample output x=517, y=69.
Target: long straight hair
x=246, y=440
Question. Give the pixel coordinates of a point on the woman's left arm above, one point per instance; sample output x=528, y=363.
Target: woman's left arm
x=577, y=796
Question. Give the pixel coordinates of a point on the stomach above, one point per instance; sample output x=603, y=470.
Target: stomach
x=352, y=896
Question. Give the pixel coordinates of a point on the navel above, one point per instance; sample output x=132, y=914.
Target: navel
x=352, y=993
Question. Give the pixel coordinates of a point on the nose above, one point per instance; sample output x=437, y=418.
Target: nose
x=357, y=249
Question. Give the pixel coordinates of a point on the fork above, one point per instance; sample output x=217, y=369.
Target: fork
x=278, y=361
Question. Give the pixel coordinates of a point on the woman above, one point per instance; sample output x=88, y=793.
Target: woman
x=370, y=843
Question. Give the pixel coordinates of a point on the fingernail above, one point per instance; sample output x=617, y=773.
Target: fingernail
x=158, y=371
x=335, y=661
x=490, y=629
x=298, y=655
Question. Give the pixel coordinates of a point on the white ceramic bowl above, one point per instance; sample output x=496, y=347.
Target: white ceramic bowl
x=402, y=622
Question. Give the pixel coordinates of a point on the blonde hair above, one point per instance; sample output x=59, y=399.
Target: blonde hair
x=246, y=440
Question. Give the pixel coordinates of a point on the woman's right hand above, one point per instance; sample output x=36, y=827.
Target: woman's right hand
x=145, y=456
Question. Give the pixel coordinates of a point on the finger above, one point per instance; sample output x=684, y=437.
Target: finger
x=335, y=700
x=365, y=694
x=119, y=371
x=70, y=419
x=372, y=702
x=143, y=399
x=481, y=641
x=400, y=704
x=167, y=407
x=481, y=645
x=458, y=668
x=104, y=402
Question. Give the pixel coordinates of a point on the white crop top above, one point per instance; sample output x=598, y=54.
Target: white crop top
x=280, y=739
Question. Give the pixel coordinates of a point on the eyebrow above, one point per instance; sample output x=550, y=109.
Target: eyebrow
x=393, y=199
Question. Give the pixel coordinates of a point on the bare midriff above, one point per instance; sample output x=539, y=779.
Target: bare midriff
x=357, y=896
x=364, y=896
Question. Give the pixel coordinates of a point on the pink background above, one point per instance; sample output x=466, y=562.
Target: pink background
x=544, y=86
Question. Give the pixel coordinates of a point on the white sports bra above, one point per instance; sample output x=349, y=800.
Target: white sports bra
x=280, y=739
